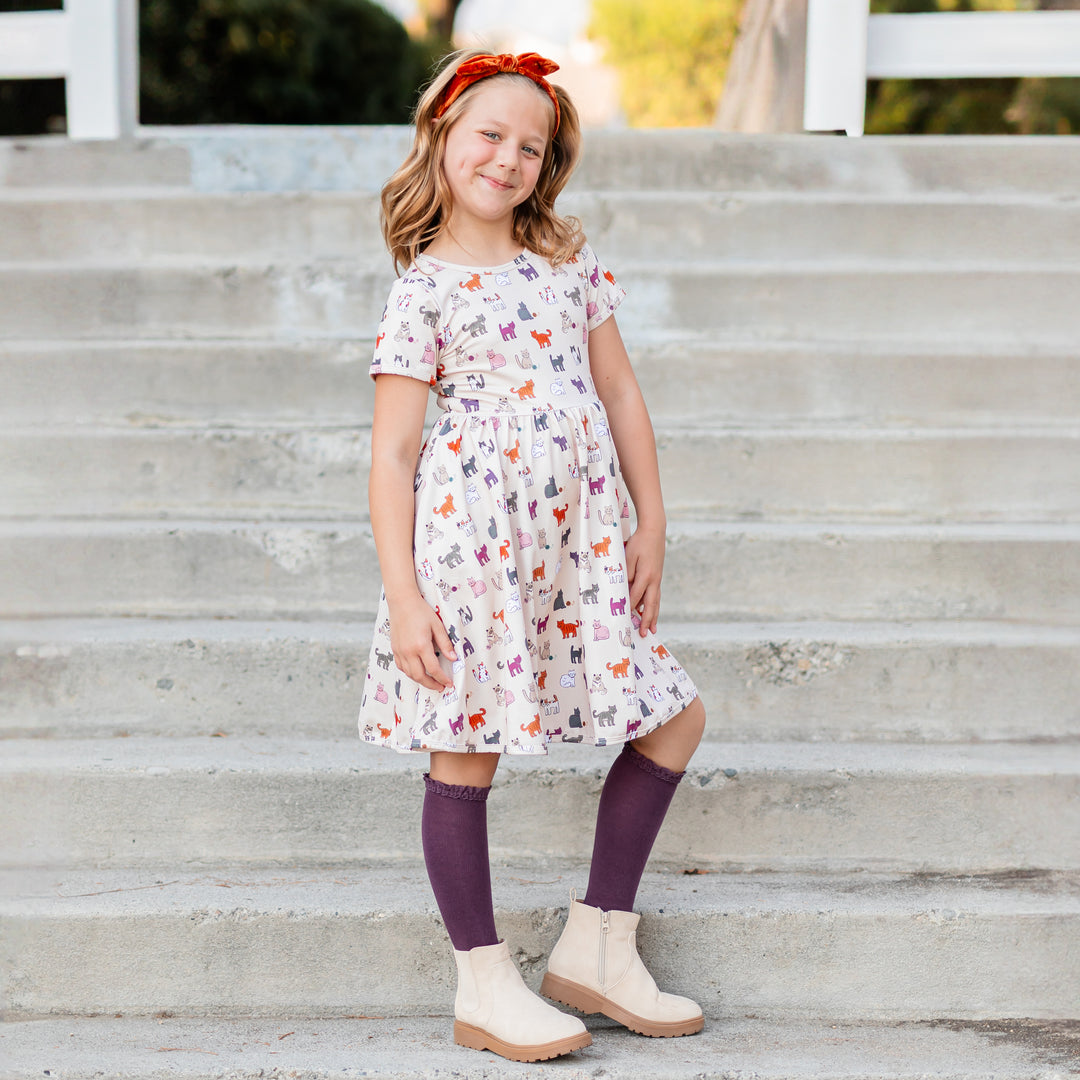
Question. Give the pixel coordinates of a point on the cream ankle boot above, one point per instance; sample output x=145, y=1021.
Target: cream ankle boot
x=595, y=967
x=495, y=1010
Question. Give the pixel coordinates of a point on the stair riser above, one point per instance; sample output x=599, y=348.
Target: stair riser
x=784, y=687
x=773, y=476
x=348, y=158
x=295, y=227
x=234, y=961
x=757, y=820
x=723, y=573
x=128, y=383
x=61, y=162
x=337, y=300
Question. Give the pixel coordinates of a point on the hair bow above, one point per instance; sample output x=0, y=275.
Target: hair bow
x=532, y=65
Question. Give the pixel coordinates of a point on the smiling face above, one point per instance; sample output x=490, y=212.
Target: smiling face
x=494, y=152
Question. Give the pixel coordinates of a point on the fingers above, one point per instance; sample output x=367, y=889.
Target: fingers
x=424, y=668
x=442, y=640
x=421, y=662
x=649, y=610
x=637, y=582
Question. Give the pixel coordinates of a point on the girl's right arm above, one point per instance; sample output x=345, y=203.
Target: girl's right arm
x=416, y=630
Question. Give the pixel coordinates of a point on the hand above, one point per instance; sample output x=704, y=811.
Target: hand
x=416, y=634
x=644, y=567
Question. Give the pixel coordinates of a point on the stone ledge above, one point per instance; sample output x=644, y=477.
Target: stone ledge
x=393, y=1048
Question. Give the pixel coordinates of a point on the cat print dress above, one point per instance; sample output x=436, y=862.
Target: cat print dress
x=521, y=520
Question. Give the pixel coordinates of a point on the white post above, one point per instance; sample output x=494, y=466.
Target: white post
x=34, y=45
x=103, y=74
x=835, y=98
x=845, y=45
x=955, y=45
x=94, y=46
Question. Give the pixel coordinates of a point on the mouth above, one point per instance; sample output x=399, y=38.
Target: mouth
x=497, y=184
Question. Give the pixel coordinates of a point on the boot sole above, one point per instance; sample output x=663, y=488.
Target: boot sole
x=588, y=1001
x=477, y=1039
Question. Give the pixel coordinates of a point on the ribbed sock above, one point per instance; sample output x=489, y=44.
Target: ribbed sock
x=635, y=798
x=453, y=830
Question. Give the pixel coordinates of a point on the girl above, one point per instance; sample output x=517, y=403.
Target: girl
x=517, y=608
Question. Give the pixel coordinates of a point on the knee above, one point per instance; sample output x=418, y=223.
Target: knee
x=693, y=721
x=470, y=770
x=691, y=725
x=674, y=742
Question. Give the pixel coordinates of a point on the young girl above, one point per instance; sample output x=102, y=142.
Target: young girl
x=517, y=608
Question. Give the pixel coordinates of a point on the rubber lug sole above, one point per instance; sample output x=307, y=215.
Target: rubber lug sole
x=477, y=1039
x=588, y=1001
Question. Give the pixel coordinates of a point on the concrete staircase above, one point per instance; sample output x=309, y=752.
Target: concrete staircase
x=861, y=361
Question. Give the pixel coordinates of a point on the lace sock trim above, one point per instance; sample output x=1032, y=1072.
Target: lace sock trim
x=650, y=766
x=456, y=791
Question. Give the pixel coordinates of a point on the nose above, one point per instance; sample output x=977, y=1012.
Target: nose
x=507, y=157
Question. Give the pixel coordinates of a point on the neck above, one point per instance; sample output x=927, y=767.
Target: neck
x=479, y=245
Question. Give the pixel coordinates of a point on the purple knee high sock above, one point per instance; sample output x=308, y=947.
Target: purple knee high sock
x=636, y=795
x=453, y=829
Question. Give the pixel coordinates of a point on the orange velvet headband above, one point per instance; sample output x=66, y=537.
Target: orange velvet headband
x=531, y=65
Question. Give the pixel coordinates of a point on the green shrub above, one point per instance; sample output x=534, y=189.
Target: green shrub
x=275, y=62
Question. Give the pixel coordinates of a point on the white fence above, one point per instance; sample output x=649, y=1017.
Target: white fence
x=93, y=45
x=846, y=45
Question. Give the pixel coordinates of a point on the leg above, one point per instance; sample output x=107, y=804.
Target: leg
x=673, y=744
x=475, y=770
x=637, y=792
x=454, y=833
x=595, y=965
x=493, y=1008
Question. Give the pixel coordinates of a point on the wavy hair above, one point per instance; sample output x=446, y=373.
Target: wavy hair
x=416, y=200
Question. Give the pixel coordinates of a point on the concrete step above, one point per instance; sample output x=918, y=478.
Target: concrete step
x=146, y=383
x=775, y=682
x=1012, y=304
x=305, y=943
x=344, y=158
x=57, y=161
x=112, y=803
x=390, y=1048
x=154, y=227
x=801, y=474
x=714, y=571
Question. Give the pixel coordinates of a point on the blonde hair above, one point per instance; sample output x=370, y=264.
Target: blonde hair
x=416, y=201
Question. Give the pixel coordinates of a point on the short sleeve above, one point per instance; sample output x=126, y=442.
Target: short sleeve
x=603, y=294
x=407, y=342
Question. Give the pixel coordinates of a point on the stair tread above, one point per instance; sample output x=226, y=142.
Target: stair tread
x=277, y=755
x=393, y=1048
x=857, y=430
x=61, y=632
x=992, y=531
x=535, y=885
x=376, y=266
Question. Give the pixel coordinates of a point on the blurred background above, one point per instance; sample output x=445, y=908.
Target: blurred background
x=636, y=63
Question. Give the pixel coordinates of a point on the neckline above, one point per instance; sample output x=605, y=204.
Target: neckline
x=472, y=266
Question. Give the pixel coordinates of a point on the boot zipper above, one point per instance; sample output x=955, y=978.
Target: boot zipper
x=604, y=929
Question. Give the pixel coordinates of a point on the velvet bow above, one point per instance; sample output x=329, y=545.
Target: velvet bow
x=532, y=65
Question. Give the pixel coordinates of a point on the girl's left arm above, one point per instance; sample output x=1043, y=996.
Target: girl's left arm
x=635, y=445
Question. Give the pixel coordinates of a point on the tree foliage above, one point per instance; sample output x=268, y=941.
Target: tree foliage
x=275, y=62
x=671, y=59
x=980, y=106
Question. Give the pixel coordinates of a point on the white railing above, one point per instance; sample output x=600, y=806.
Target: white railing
x=846, y=45
x=93, y=46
